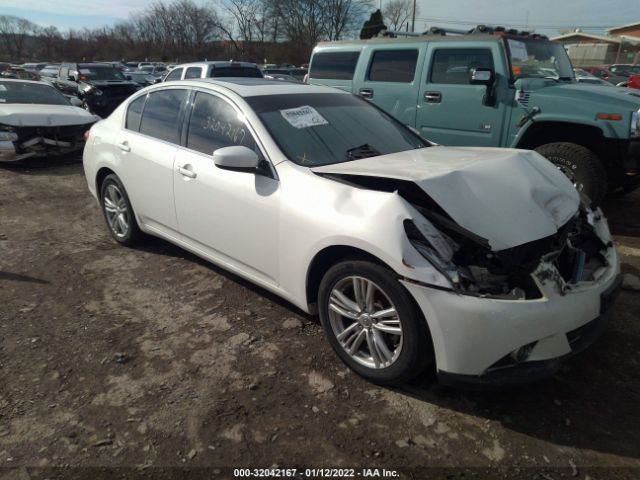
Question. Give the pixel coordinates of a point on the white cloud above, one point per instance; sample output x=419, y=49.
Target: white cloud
x=110, y=8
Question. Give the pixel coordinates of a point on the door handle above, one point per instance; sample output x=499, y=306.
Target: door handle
x=186, y=171
x=124, y=146
x=432, y=97
x=366, y=92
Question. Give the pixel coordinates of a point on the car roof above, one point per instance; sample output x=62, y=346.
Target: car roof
x=20, y=80
x=252, y=87
x=217, y=62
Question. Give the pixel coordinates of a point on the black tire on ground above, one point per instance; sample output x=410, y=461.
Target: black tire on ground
x=115, y=203
x=416, y=352
x=581, y=165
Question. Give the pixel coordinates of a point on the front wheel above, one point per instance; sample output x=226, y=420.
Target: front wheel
x=373, y=324
x=580, y=165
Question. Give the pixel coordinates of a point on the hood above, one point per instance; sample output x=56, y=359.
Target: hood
x=509, y=197
x=32, y=115
x=111, y=83
x=601, y=96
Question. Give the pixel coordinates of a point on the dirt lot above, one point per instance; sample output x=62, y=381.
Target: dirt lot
x=149, y=359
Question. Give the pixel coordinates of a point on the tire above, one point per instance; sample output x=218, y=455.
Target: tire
x=581, y=166
x=399, y=356
x=118, y=213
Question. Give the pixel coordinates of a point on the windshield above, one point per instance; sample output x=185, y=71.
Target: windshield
x=100, y=73
x=539, y=59
x=324, y=128
x=23, y=92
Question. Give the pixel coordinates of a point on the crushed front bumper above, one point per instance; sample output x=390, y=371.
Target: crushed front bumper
x=474, y=337
x=513, y=373
x=43, y=142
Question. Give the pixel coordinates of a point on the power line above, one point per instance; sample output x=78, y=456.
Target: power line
x=455, y=21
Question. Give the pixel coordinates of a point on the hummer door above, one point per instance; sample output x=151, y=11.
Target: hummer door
x=452, y=111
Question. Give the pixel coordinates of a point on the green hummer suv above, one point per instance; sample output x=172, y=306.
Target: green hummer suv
x=495, y=88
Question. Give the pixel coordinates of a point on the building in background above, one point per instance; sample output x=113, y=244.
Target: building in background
x=620, y=45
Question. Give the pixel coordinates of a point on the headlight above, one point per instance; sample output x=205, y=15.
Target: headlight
x=92, y=90
x=8, y=136
x=634, y=130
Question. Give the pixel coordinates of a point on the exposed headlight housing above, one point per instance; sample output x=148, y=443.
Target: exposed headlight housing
x=8, y=136
x=634, y=130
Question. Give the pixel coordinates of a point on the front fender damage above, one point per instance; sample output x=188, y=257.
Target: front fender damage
x=579, y=252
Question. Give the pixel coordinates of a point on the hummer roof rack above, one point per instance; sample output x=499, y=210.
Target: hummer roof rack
x=480, y=29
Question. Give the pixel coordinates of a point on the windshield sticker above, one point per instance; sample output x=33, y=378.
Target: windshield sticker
x=303, y=117
x=518, y=50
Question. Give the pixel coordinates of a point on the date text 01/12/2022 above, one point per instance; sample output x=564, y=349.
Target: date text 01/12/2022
x=314, y=473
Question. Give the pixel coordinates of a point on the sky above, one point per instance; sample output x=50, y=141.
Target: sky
x=546, y=16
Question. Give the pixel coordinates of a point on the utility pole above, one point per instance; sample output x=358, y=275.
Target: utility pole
x=413, y=17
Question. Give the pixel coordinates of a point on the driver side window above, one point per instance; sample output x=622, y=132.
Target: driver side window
x=214, y=124
x=452, y=66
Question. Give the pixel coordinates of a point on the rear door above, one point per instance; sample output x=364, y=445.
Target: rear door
x=231, y=216
x=451, y=110
x=148, y=144
x=389, y=77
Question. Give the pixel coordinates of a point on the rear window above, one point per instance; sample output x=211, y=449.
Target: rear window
x=134, y=113
x=192, y=72
x=334, y=65
x=393, y=66
x=251, y=72
x=161, y=117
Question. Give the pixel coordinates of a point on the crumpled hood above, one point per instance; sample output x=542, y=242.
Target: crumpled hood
x=510, y=197
x=31, y=115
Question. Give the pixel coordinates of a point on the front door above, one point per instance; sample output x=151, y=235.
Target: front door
x=231, y=216
x=451, y=111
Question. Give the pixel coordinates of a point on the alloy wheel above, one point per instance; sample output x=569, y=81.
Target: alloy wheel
x=365, y=322
x=116, y=210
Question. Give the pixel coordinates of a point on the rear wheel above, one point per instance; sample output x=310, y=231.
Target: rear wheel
x=580, y=165
x=118, y=213
x=373, y=324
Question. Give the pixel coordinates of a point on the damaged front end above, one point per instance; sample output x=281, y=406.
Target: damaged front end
x=577, y=253
x=21, y=142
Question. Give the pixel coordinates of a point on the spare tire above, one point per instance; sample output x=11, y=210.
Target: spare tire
x=580, y=165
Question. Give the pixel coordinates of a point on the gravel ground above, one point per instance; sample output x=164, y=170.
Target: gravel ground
x=149, y=362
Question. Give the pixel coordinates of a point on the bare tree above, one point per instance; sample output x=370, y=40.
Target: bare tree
x=344, y=17
x=14, y=31
x=397, y=13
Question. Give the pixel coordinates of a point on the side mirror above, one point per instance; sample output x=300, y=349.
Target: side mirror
x=75, y=101
x=236, y=158
x=482, y=76
x=72, y=78
x=486, y=77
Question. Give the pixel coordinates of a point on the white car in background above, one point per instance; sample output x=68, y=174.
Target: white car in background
x=480, y=262
x=36, y=120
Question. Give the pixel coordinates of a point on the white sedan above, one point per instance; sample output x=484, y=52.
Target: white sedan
x=481, y=263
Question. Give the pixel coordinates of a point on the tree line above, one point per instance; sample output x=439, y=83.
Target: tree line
x=182, y=30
